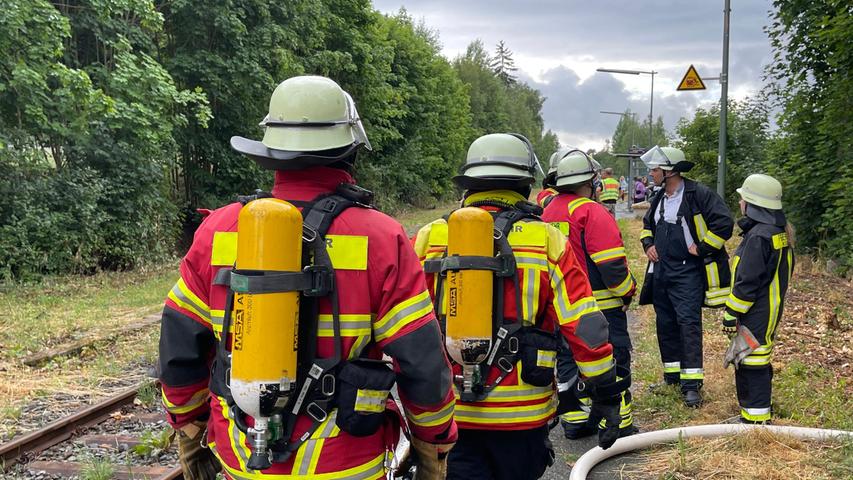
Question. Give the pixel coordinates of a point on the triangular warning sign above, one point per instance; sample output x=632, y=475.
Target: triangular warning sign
x=691, y=81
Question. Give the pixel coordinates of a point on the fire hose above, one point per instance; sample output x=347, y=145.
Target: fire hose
x=644, y=440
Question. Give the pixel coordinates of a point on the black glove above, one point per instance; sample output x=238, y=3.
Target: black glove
x=729, y=325
x=605, y=392
x=566, y=398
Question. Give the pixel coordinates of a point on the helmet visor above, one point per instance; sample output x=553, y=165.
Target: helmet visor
x=355, y=122
x=655, y=158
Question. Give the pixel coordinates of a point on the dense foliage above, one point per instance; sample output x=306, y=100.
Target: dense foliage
x=115, y=115
x=813, y=155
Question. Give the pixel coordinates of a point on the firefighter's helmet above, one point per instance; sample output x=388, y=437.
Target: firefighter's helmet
x=311, y=121
x=762, y=190
x=499, y=160
x=666, y=158
x=576, y=167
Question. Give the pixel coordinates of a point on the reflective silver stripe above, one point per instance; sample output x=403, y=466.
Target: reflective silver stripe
x=360, y=342
x=346, y=324
x=498, y=392
x=428, y=419
x=560, y=294
x=529, y=300
x=671, y=367
x=756, y=411
x=522, y=258
x=391, y=323
x=202, y=310
x=488, y=412
x=304, y=466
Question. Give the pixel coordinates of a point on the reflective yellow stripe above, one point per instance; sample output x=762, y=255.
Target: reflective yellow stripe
x=186, y=299
x=775, y=303
x=372, y=401
x=308, y=454
x=538, y=261
x=757, y=360
x=347, y=252
x=352, y=325
x=503, y=415
x=645, y=233
x=237, y=438
x=714, y=240
x=546, y=358
x=692, y=374
x=609, y=254
x=623, y=288
x=372, y=470
x=610, y=303
x=737, y=304
x=602, y=294
x=755, y=414
x=432, y=418
x=713, y=275
x=596, y=367
x=515, y=393
x=574, y=204
x=401, y=315
x=701, y=226
x=198, y=399
x=224, y=251
x=575, y=416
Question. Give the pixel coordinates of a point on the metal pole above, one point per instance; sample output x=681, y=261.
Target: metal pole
x=651, y=111
x=724, y=101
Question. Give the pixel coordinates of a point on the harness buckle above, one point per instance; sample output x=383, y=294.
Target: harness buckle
x=328, y=385
x=308, y=234
x=505, y=365
x=322, y=279
x=508, y=265
x=316, y=412
x=512, y=346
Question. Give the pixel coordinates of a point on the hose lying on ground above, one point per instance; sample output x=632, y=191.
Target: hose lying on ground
x=644, y=440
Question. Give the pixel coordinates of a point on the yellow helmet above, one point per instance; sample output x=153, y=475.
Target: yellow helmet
x=311, y=121
x=762, y=190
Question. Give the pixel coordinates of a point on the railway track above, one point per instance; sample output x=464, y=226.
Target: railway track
x=28, y=455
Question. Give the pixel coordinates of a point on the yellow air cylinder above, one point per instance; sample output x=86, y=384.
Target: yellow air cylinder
x=468, y=293
x=264, y=348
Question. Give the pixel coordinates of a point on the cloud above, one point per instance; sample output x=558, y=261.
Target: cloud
x=558, y=44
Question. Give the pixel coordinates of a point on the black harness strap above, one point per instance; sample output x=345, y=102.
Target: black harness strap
x=315, y=376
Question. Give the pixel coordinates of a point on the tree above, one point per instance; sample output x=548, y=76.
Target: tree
x=503, y=65
x=746, y=145
x=811, y=80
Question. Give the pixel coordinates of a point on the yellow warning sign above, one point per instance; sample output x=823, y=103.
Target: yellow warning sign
x=691, y=81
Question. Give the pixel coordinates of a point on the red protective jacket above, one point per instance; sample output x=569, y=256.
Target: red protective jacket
x=384, y=307
x=597, y=243
x=542, y=198
x=555, y=293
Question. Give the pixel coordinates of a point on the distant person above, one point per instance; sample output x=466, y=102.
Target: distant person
x=623, y=188
x=684, y=235
x=763, y=263
x=608, y=193
x=639, y=190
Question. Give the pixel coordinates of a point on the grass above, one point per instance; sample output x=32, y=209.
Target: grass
x=414, y=218
x=806, y=392
x=152, y=443
x=66, y=308
x=98, y=469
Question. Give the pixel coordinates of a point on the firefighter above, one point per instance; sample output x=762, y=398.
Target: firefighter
x=597, y=243
x=684, y=235
x=548, y=192
x=371, y=301
x=608, y=192
x=503, y=425
x=762, y=267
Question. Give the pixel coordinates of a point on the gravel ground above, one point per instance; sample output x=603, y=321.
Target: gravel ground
x=124, y=422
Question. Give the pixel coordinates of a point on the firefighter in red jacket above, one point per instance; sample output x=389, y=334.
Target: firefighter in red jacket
x=503, y=420
x=375, y=303
x=597, y=243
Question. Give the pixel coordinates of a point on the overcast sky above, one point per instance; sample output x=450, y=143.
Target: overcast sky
x=557, y=46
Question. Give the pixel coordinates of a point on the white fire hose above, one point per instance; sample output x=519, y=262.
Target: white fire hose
x=644, y=440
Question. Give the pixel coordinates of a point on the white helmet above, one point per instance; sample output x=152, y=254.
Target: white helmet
x=499, y=160
x=576, y=167
x=666, y=158
x=762, y=190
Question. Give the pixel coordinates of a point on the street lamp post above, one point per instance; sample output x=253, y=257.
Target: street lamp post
x=651, y=98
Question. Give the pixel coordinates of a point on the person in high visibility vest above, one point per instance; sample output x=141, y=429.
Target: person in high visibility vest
x=372, y=301
x=609, y=192
x=762, y=266
x=540, y=290
x=597, y=243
